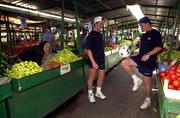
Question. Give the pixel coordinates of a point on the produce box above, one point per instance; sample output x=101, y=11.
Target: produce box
x=115, y=50
x=163, y=67
x=170, y=80
x=5, y=91
x=40, y=99
x=170, y=93
x=33, y=80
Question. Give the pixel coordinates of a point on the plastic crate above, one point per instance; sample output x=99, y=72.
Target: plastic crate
x=169, y=93
x=163, y=67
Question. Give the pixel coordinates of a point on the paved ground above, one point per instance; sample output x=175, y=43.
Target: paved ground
x=121, y=102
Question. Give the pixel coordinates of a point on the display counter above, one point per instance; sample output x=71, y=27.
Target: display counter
x=37, y=95
x=169, y=108
x=112, y=58
x=5, y=93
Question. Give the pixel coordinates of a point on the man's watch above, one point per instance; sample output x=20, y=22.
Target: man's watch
x=148, y=54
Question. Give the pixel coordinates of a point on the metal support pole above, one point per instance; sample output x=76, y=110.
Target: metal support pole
x=8, y=35
x=62, y=25
x=107, y=31
x=74, y=37
x=116, y=28
x=167, y=23
x=0, y=39
x=104, y=34
x=122, y=30
x=67, y=34
x=78, y=27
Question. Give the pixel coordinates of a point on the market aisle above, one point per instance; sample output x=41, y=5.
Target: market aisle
x=121, y=102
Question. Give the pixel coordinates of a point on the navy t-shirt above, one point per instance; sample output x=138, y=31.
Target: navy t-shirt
x=149, y=41
x=95, y=43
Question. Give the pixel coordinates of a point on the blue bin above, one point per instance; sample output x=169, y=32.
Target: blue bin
x=163, y=67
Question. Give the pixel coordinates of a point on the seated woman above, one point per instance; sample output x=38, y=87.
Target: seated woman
x=37, y=53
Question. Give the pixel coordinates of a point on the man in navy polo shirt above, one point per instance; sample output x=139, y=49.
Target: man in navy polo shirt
x=145, y=61
x=96, y=62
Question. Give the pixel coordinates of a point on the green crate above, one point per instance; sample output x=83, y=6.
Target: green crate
x=5, y=93
x=168, y=107
x=33, y=80
x=41, y=98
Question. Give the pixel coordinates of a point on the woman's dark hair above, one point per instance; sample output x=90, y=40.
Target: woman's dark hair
x=41, y=45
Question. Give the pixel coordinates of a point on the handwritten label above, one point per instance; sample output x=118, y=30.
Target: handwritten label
x=107, y=53
x=65, y=69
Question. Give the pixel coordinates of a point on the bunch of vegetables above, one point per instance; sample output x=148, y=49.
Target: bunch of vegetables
x=111, y=45
x=107, y=49
x=174, y=55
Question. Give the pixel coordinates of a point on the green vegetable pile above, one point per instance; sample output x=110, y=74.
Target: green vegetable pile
x=65, y=56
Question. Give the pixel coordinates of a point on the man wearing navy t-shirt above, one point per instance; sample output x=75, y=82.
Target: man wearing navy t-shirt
x=145, y=61
x=96, y=61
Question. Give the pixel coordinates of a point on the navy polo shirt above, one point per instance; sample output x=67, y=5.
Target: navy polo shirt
x=95, y=43
x=149, y=41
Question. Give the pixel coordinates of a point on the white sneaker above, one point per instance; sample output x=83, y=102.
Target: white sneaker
x=137, y=84
x=100, y=95
x=91, y=98
x=146, y=103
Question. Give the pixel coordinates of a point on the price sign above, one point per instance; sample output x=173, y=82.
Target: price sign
x=107, y=53
x=65, y=69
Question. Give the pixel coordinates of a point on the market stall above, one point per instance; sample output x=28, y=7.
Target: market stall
x=169, y=84
x=39, y=94
x=169, y=107
x=112, y=58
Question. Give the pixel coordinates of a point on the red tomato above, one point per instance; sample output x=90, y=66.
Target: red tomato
x=178, y=88
x=178, y=74
x=178, y=69
x=171, y=71
x=162, y=74
x=176, y=83
x=167, y=71
x=173, y=68
x=178, y=66
x=178, y=78
x=173, y=76
x=170, y=86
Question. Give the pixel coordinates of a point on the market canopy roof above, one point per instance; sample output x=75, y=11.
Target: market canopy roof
x=159, y=11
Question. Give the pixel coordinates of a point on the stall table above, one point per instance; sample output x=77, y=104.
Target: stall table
x=168, y=107
x=37, y=95
x=5, y=93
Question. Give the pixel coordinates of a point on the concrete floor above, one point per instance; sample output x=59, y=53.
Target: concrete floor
x=121, y=102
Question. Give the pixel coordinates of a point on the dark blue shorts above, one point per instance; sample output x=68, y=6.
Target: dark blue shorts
x=101, y=65
x=144, y=68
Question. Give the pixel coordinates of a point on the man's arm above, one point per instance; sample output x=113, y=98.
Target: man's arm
x=90, y=55
x=154, y=51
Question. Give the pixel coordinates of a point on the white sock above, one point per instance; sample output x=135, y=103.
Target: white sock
x=135, y=77
x=98, y=89
x=90, y=91
x=147, y=98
